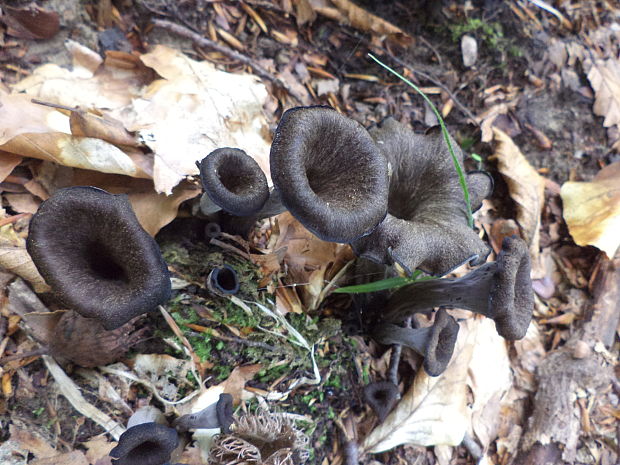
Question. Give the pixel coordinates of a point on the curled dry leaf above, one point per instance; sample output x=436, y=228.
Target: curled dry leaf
x=592, y=210
x=434, y=410
x=8, y=162
x=15, y=258
x=526, y=186
x=311, y=262
x=345, y=11
x=604, y=76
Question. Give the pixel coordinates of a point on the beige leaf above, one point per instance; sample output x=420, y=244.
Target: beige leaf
x=525, y=185
x=434, y=409
x=236, y=381
x=194, y=110
x=489, y=378
x=70, y=458
x=592, y=210
x=31, y=442
x=154, y=210
x=15, y=258
x=604, y=76
x=97, y=448
x=78, y=152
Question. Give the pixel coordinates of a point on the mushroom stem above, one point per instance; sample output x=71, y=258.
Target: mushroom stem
x=216, y=415
x=435, y=343
x=501, y=290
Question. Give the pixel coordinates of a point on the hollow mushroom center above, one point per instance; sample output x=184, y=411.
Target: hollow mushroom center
x=327, y=183
x=235, y=178
x=103, y=264
x=227, y=279
x=147, y=452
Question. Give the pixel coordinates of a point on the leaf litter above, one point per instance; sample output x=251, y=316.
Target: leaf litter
x=98, y=102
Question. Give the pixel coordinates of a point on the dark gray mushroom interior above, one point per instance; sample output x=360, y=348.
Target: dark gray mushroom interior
x=426, y=227
x=329, y=173
x=92, y=251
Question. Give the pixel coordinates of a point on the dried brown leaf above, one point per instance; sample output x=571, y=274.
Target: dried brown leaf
x=356, y=16
x=15, y=258
x=311, y=262
x=23, y=203
x=236, y=381
x=434, y=409
x=30, y=22
x=98, y=448
x=526, y=188
x=154, y=211
x=592, y=210
x=29, y=442
x=70, y=458
x=8, y=162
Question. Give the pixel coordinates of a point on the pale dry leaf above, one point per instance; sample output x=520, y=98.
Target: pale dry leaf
x=75, y=457
x=15, y=258
x=23, y=203
x=604, y=76
x=489, y=379
x=78, y=152
x=592, y=210
x=193, y=110
x=160, y=369
x=32, y=443
x=526, y=187
x=98, y=448
x=18, y=115
x=434, y=410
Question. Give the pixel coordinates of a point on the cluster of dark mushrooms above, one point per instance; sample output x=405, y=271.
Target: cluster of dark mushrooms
x=390, y=193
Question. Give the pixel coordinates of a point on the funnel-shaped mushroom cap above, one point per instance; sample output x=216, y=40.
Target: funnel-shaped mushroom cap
x=145, y=444
x=426, y=226
x=441, y=343
x=330, y=174
x=381, y=396
x=92, y=251
x=511, y=298
x=234, y=181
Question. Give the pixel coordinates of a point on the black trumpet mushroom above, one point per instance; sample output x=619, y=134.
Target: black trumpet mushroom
x=501, y=290
x=223, y=280
x=329, y=173
x=435, y=343
x=233, y=182
x=427, y=226
x=147, y=441
x=90, y=248
x=382, y=397
x=216, y=415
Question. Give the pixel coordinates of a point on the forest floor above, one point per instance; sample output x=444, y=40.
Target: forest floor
x=531, y=94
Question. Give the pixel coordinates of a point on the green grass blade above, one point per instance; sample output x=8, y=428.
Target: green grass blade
x=444, y=131
x=383, y=284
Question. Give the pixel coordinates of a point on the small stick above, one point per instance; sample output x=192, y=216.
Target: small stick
x=395, y=358
x=187, y=33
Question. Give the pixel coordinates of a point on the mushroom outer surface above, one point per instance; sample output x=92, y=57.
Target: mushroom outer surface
x=329, y=173
x=90, y=248
x=426, y=227
x=145, y=444
x=234, y=181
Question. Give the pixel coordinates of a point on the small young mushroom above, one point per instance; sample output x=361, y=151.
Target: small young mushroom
x=90, y=248
x=329, y=173
x=223, y=280
x=233, y=182
x=501, y=290
x=426, y=227
x=146, y=441
x=216, y=415
x=435, y=343
x=381, y=396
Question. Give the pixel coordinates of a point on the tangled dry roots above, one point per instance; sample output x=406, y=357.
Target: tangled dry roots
x=262, y=439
